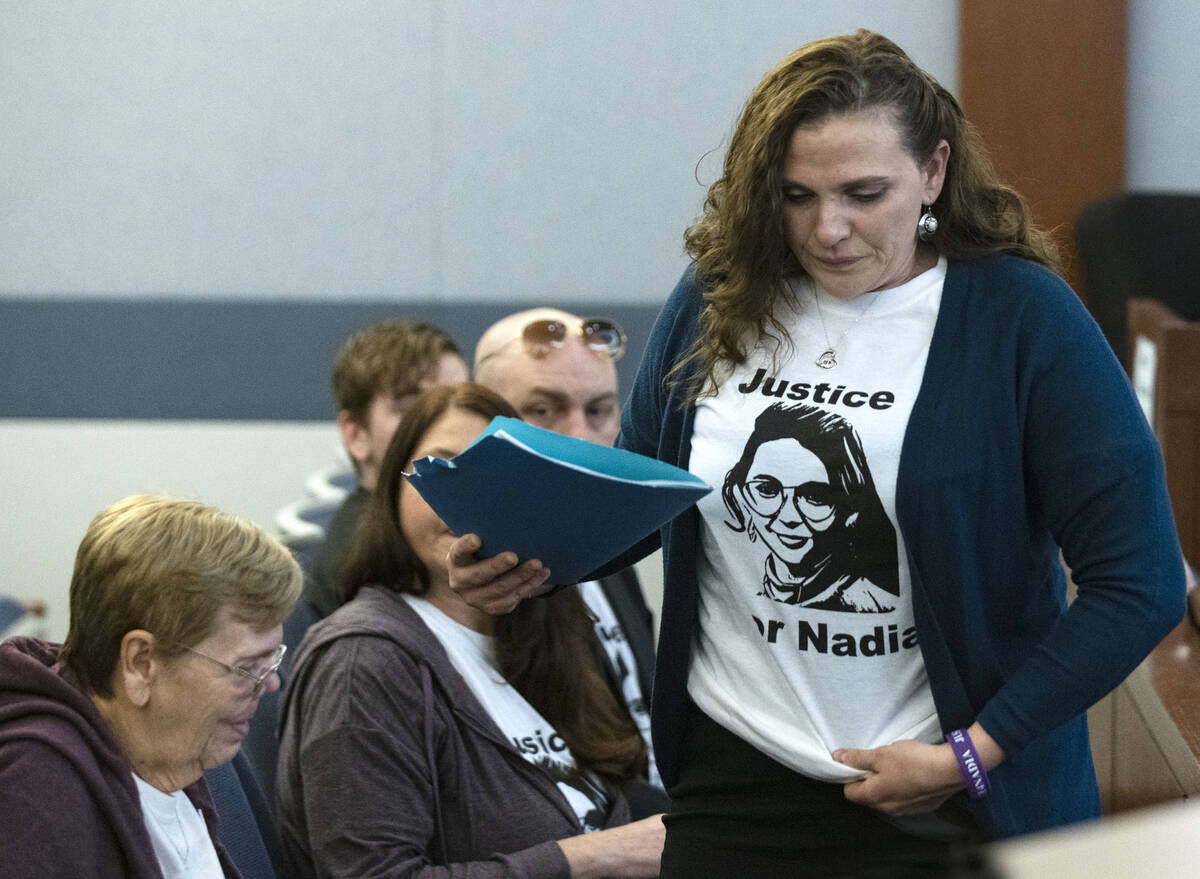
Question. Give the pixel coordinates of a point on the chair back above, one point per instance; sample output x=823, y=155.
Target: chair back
x=261, y=745
x=11, y=612
x=245, y=822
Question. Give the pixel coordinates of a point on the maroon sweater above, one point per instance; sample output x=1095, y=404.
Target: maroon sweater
x=69, y=806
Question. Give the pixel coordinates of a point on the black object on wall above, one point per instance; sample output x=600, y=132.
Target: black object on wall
x=1144, y=245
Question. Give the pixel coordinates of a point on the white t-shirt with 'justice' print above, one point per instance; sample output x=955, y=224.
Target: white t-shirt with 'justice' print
x=807, y=641
x=474, y=657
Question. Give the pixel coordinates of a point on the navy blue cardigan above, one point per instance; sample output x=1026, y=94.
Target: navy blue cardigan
x=1025, y=438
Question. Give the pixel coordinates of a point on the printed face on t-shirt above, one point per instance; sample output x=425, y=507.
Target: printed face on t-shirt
x=789, y=498
x=829, y=635
x=803, y=486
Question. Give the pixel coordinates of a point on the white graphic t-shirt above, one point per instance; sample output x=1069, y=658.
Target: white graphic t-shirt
x=179, y=835
x=807, y=641
x=608, y=630
x=474, y=657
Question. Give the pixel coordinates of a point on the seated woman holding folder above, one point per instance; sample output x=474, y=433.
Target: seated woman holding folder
x=420, y=733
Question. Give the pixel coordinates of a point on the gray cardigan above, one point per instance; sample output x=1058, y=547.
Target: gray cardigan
x=389, y=765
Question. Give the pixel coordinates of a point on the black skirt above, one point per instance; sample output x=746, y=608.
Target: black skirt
x=736, y=812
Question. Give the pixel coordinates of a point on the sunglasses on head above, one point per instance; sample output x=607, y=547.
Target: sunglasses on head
x=598, y=334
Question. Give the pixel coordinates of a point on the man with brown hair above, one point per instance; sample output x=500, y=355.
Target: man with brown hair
x=377, y=375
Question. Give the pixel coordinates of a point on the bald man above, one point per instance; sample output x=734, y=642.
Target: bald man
x=568, y=384
x=558, y=371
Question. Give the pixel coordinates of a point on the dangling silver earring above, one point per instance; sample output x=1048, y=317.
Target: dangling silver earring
x=752, y=533
x=927, y=225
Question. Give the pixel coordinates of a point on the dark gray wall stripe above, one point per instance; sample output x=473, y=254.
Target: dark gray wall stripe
x=204, y=359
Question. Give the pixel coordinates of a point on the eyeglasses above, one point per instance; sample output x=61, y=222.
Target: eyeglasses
x=259, y=680
x=766, y=496
x=598, y=334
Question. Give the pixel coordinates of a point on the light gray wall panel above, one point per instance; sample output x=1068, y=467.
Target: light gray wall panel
x=216, y=148
x=1163, y=125
x=425, y=151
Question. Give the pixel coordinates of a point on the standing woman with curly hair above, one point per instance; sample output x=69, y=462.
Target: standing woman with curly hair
x=859, y=257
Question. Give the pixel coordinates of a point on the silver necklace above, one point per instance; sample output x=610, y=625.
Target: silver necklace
x=828, y=358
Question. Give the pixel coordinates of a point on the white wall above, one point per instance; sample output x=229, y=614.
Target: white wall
x=430, y=149
x=56, y=475
x=1163, y=119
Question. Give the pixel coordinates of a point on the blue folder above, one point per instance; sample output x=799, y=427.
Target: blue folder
x=570, y=503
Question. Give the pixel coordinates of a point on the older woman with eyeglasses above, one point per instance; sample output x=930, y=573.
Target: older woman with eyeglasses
x=175, y=633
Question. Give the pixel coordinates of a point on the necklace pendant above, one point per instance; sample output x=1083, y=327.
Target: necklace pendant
x=828, y=359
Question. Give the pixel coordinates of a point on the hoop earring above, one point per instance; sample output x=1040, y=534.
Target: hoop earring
x=927, y=226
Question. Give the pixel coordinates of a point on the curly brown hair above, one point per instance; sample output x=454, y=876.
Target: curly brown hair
x=739, y=242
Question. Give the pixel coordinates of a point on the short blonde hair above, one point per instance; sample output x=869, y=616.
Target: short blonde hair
x=168, y=566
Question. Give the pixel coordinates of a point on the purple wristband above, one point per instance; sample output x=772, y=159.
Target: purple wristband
x=969, y=764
